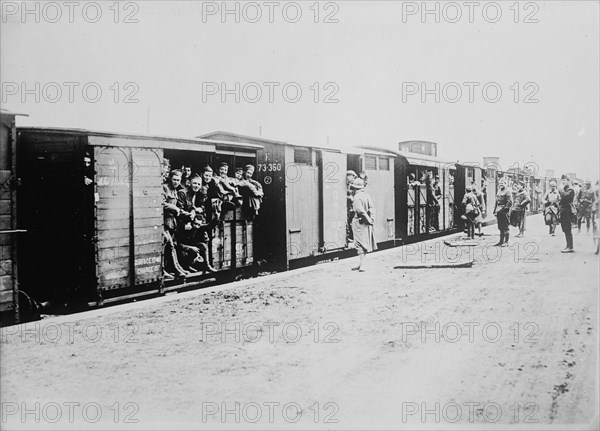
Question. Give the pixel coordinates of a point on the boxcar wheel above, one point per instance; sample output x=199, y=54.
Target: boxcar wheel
x=29, y=309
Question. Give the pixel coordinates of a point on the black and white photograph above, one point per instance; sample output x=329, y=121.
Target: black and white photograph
x=299, y=215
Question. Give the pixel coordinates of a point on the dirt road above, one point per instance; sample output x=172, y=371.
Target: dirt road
x=512, y=341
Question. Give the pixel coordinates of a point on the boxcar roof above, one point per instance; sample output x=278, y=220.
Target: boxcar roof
x=7, y=112
x=249, y=139
x=169, y=142
x=412, y=158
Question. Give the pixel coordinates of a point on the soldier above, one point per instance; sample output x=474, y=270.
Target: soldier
x=192, y=243
x=186, y=178
x=433, y=205
x=350, y=177
x=551, y=200
x=212, y=202
x=171, y=212
x=437, y=193
x=471, y=207
x=227, y=189
x=519, y=208
x=567, y=212
x=252, y=192
x=586, y=200
x=193, y=198
x=363, y=176
x=482, y=209
x=502, y=212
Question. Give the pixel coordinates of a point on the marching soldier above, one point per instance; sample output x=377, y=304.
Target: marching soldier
x=586, y=199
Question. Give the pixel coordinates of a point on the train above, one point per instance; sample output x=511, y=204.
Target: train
x=73, y=247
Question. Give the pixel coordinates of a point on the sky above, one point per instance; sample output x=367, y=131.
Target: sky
x=516, y=80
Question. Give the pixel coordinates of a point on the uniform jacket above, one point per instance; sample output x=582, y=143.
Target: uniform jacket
x=504, y=200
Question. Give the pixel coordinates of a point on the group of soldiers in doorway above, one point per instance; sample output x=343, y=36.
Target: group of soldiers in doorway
x=194, y=205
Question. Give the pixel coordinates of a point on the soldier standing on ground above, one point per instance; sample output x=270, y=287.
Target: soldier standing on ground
x=567, y=212
x=502, y=212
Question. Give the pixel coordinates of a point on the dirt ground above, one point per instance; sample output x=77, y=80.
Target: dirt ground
x=510, y=342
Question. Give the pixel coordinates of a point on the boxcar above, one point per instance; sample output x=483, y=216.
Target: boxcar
x=10, y=311
x=380, y=166
x=104, y=242
x=303, y=218
x=415, y=218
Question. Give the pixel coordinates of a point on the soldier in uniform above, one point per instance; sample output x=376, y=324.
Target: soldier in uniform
x=171, y=212
x=350, y=177
x=586, y=199
x=551, y=200
x=520, y=205
x=567, y=212
x=252, y=193
x=502, y=212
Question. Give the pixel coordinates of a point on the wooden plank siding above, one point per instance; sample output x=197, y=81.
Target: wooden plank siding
x=9, y=306
x=129, y=216
x=333, y=200
x=112, y=258
x=147, y=206
x=302, y=203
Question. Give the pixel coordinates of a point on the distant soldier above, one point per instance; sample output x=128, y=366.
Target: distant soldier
x=567, y=211
x=482, y=208
x=363, y=176
x=350, y=177
x=502, y=212
x=586, y=199
x=551, y=201
x=484, y=193
x=471, y=208
x=519, y=209
x=412, y=180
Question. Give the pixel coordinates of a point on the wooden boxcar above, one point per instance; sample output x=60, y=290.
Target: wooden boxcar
x=9, y=229
x=104, y=242
x=380, y=167
x=303, y=215
x=415, y=218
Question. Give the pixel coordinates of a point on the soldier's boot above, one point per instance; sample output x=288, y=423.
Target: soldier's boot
x=499, y=243
x=506, y=236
